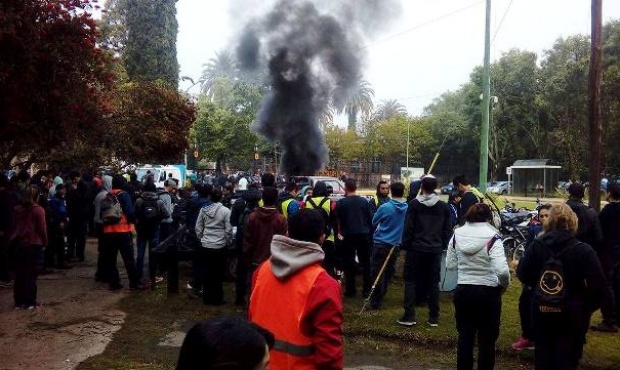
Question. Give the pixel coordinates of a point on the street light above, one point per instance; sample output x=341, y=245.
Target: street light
x=255, y=159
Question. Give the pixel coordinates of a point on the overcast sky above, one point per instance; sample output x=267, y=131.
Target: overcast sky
x=430, y=49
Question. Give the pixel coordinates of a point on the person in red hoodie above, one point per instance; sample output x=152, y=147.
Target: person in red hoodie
x=263, y=223
x=295, y=298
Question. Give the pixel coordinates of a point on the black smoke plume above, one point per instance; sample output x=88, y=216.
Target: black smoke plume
x=313, y=62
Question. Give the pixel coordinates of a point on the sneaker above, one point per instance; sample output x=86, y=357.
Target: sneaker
x=433, y=323
x=159, y=279
x=522, y=344
x=605, y=327
x=406, y=322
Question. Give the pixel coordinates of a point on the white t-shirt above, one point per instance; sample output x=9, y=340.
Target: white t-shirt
x=243, y=184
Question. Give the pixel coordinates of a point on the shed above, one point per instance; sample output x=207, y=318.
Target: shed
x=534, y=176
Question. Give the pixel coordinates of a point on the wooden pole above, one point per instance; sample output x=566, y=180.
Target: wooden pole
x=594, y=95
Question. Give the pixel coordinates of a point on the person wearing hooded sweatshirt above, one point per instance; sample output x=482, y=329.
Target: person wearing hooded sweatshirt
x=428, y=229
x=262, y=225
x=150, y=211
x=215, y=233
x=287, y=201
x=295, y=298
x=102, y=274
x=387, y=223
x=477, y=252
x=560, y=336
x=57, y=181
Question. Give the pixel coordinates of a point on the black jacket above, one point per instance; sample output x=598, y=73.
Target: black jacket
x=354, y=215
x=583, y=275
x=609, y=253
x=428, y=228
x=589, y=229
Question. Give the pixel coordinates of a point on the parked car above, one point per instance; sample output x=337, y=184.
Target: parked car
x=337, y=186
x=499, y=187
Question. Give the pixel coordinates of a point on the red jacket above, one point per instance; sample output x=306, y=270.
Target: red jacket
x=321, y=321
x=29, y=227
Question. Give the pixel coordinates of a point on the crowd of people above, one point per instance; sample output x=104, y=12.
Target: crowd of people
x=298, y=248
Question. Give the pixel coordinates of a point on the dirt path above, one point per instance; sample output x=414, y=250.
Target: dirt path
x=77, y=320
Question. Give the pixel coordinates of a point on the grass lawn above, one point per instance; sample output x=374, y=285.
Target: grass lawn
x=370, y=338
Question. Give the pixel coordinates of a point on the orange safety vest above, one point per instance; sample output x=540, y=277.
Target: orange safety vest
x=278, y=306
x=123, y=226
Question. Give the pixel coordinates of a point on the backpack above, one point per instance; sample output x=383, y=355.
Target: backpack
x=550, y=292
x=319, y=207
x=250, y=207
x=150, y=211
x=111, y=210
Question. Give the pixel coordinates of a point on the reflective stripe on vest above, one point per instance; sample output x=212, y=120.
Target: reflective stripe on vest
x=123, y=226
x=278, y=305
x=285, y=205
x=327, y=206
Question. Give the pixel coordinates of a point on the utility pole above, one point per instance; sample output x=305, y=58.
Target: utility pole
x=486, y=96
x=594, y=95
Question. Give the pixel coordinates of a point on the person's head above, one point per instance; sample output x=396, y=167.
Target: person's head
x=31, y=195
x=270, y=196
x=309, y=192
x=543, y=212
x=613, y=192
x=576, y=191
x=307, y=225
x=267, y=180
x=119, y=182
x=461, y=182
x=216, y=195
x=204, y=191
x=23, y=179
x=397, y=189
x=320, y=189
x=561, y=217
x=225, y=343
x=61, y=190
x=292, y=188
x=479, y=212
x=170, y=185
x=150, y=186
x=429, y=184
x=350, y=185
x=383, y=189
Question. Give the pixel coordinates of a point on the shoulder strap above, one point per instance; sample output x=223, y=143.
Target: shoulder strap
x=491, y=242
x=311, y=201
x=323, y=202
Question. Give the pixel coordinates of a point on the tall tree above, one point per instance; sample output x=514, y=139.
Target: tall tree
x=53, y=77
x=113, y=26
x=219, y=73
x=360, y=101
x=389, y=109
x=150, y=53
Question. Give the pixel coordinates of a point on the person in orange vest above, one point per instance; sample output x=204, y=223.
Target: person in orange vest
x=294, y=298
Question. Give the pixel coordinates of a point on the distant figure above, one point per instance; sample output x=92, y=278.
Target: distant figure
x=225, y=343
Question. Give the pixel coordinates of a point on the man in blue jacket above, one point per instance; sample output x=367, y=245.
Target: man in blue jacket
x=387, y=223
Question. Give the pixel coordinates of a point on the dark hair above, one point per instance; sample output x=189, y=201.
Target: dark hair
x=576, y=191
x=350, y=185
x=216, y=195
x=397, y=189
x=59, y=187
x=479, y=212
x=270, y=196
x=461, y=179
x=429, y=184
x=224, y=343
x=546, y=206
x=31, y=195
x=267, y=180
x=253, y=186
x=306, y=225
x=320, y=189
x=291, y=186
x=118, y=182
x=23, y=176
x=382, y=182
x=149, y=186
x=204, y=190
x=614, y=191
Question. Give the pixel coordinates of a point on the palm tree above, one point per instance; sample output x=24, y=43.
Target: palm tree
x=221, y=67
x=360, y=101
x=389, y=109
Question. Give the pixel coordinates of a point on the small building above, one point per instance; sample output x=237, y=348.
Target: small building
x=534, y=177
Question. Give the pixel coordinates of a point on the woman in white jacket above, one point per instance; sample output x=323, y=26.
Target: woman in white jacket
x=476, y=250
x=215, y=233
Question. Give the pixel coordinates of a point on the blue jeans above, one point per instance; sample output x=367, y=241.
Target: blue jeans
x=147, y=236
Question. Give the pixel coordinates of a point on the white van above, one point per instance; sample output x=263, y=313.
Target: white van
x=162, y=173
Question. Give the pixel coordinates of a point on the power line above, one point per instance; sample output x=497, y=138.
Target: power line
x=501, y=22
x=424, y=24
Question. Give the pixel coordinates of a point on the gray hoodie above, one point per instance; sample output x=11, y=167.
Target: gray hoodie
x=107, y=186
x=213, y=226
x=289, y=255
x=428, y=200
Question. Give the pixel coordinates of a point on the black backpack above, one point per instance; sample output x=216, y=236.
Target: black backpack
x=551, y=291
x=150, y=211
x=319, y=207
x=250, y=207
